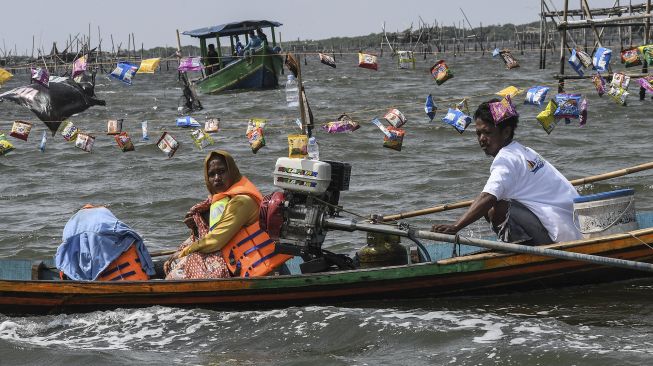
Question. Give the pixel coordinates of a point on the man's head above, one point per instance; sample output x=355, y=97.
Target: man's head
x=211, y=47
x=493, y=137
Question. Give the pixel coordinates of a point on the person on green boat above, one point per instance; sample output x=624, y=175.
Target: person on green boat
x=212, y=59
x=254, y=41
x=525, y=199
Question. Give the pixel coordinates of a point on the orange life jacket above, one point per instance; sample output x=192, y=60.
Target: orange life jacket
x=127, y=267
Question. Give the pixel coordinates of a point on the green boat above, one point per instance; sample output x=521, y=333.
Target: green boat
x=257, y=68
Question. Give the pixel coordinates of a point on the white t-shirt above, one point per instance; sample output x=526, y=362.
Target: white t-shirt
x=519, y=173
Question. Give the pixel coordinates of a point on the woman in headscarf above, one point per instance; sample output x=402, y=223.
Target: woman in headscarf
x=232, y=206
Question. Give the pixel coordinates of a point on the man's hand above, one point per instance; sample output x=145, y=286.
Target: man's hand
x=445, y=229
x=188, y=220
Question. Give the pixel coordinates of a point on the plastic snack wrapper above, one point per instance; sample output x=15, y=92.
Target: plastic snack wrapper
x=406, y=59
x=212, y=125
x=430, y=108
x=256, y=139
x=575, y=63
x=647, y=54
x=440, y=72
x=463, y=106
x=168, y=144
x=381, y=126
x=646, y=83
x=85, y=142
x=144, y=129
x=599, y=83
x=620, y=80
x=44, y=140
x=513, y=91
x=41, y=76
x=459, y=120
x=327, y=60
x=568, y=106
x=502, y=110
x=124, y=142
x=201, y=139
x=395, y=138
x=630, y=57
x=124, y=72
x=297, y=146
x=547, y=118
x=601, y=59
x=583, y=113
x=20, y=130
x=496, y=52
x=114, y=126
x=585, y=59
x=343, y=124
x=509, y=59
x=619, y=95
x=5, y=145
x=367, y=61
x=69, y=131
x=536, y=95
x=395, y=118
x=187, y=121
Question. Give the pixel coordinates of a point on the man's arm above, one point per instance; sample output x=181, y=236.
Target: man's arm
x=479, y=208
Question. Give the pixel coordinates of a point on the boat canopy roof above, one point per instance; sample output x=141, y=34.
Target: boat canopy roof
x=231, y=29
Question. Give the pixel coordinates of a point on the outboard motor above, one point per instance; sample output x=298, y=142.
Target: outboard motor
x=294, y=217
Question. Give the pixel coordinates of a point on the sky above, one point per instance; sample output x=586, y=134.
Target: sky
x=153, y=23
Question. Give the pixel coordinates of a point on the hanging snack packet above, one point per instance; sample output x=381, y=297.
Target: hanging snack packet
x=619, y=95
x=20, y=130
x=647, y=54
x=256, y=139
x=547, y=117
x=646, y=83
x=44, y=140
x=168, y=144
x=630, y=57
x=114, y=126
x=575, y=63
x=85, y=141
x=41, y=76
x=536, y=95
x=601, y=59
x=599, y=83
x=297, y=146
x=502, y=110
x=440, y=72
x=124, y=72
x=584, y=58
x=342, y=124
x=509, y=60
x=568, y=106
x=144, y=129
x=124, y=142
x=5, y=145
x=367, y=61
x=395, y=117
x=620, y=80
x=327, y=60
x=463, y=107
x=212, y=125
x=430, y=108
x=457, y=119
x=583, y=112
x=381, y=126
x=201, y=139
x=187, y=121
x=511, y=90
x=69, y=131
x=496, y=52
x=395, y=139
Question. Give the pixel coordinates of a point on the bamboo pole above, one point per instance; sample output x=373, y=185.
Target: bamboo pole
x=575, y=182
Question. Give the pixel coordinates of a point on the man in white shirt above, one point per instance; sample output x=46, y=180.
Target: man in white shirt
x=525, y=198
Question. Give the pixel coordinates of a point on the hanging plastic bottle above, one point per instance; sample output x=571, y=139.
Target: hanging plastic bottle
x=313, y=149
x=292, y=92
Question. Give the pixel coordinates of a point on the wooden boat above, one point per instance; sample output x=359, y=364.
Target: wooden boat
x=34, y=287
x=256, y=70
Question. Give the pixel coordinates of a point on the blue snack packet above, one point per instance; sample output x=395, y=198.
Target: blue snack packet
x=568, y=106
x=575, y=63
x=496, y=52
x=601, y=59
x=536, y=95
x=124, y=72
x=430, y=107
x=457, y=119
x=44, y=140
x=144, y=129
x=187, y=121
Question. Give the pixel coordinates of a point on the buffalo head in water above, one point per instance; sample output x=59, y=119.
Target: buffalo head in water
x=63, y=98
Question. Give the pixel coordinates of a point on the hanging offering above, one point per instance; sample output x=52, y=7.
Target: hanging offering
x=430, y=108
x=79, y=65
x=367, y=61
x=297, y=146
x=381, y=126
x=536, y=95
x=395, y=118
x=406, y=59
x=394, y=139
x=41, y=76
x=20, y=130
x=187, y=121
x=201, y=139
x=463, y=107
x=124, y=72
x=583, y=112
x=599, y=83
x=148, y=66
x=85, y=141
x=5, y=145
x=601, y=59
x=509, y=59
x=568, y=106
x=459, y=120
x=584, y=58
x=496, y=52
x=547, y=118
x=255, y=134
x=575, y=63
x=190, y=64
x=69, y=131
x=114, y=126
x=630, y=57
x=144, y=129
x=44, y=140
x=647, y=54
x=619, y=95
x=502, y=110
x=212, y=125
x=342, y=124
x=511, y=90
x=620, y=80
x=327, y=60
x=646, y=83
x=168, y=144
x=440, y=72
x=5, y=76
x=124, y=142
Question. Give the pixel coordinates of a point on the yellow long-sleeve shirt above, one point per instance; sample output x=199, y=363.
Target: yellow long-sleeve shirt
x=241, y=211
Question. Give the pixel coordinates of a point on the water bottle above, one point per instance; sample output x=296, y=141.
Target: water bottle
x=292, y=92
x=313, y=149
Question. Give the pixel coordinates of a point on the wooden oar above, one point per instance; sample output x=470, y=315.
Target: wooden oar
x=576, y=182
x=351, y=225
x=163, y=252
